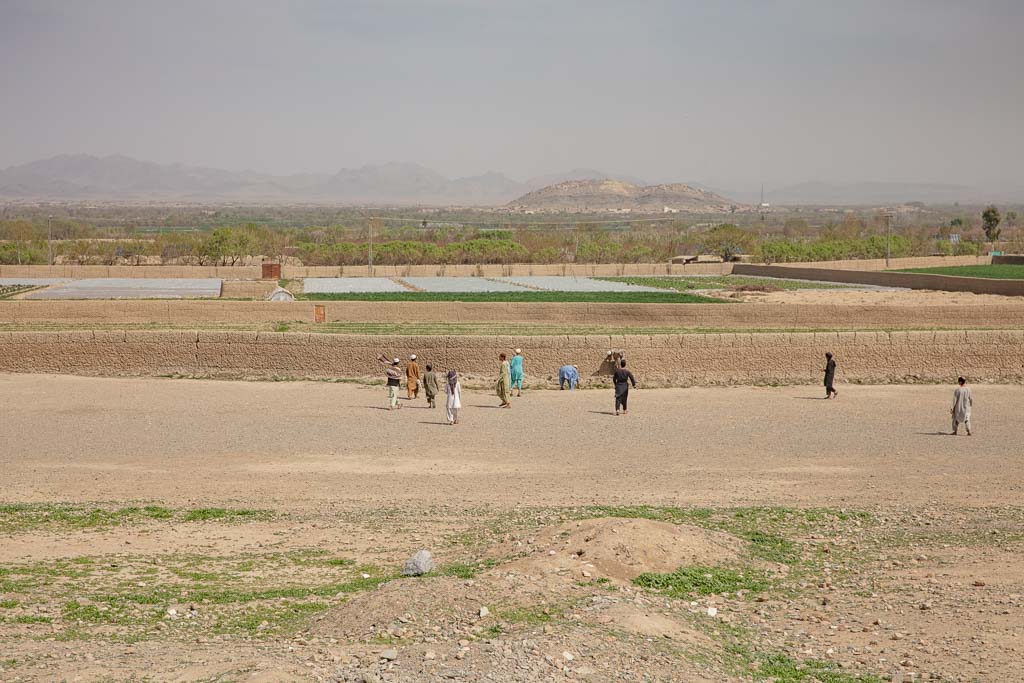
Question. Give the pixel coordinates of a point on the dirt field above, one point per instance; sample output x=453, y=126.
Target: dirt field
x=861, y=297
x=204, y=530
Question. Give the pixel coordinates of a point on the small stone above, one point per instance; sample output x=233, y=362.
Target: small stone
x=390, y=654
x=429, y=654
x=484, y=612
x=568, y=656
x=420, y=563
x=712, y=611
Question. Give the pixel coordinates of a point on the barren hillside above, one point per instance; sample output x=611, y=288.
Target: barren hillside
x=615, y=195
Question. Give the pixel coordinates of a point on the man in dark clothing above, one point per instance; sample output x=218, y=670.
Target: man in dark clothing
x=622, y=378
x=830, y=376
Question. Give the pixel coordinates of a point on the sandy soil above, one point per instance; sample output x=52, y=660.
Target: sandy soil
x=892, y=549
x=873, y=296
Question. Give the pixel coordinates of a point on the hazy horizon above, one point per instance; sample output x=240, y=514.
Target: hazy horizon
x=728, y=94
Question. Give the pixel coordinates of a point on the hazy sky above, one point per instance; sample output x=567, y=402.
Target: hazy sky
x=730, y=93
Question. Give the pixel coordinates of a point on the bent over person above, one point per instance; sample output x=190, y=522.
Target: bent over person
x=622, y=378
x=961, y=410
x=570, y=374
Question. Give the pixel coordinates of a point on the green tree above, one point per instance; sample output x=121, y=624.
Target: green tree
x=990, y=219
x=727, y=241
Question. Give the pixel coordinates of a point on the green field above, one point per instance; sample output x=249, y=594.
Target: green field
x=993, y=272
x=668, y=297
x=684, y=283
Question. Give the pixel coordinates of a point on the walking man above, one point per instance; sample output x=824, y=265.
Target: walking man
x=454, y=401
x=830, y=376
x=622, y=378
x=516, y=371
x=430, y=386
x=412, y=378
x=393, y=374
x=504, y=386
x=961, y=410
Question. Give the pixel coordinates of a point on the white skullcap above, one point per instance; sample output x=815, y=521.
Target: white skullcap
x=412, y=357
x=519, y=350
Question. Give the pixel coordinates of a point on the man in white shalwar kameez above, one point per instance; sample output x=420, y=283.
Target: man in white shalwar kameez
x=961, y=410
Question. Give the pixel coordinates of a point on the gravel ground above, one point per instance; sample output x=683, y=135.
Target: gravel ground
x=254, y=441
x=131, y=288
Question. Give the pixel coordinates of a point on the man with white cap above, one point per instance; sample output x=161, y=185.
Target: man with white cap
x=394, y=378
x=412, y=378
x=516, y=372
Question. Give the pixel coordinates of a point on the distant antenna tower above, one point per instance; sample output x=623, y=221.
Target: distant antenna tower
x=764, y=205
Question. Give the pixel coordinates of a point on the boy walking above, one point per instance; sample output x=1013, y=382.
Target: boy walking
x=961, y=410
x=430, y=386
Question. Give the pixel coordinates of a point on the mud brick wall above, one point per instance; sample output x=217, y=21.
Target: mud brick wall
x=626, y=318
x=682, y=360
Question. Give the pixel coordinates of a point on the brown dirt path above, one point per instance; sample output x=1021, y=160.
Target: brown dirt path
x=299, y=444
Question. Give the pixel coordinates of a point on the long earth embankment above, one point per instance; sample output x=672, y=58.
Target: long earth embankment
x=724, y=316
x=668, y=359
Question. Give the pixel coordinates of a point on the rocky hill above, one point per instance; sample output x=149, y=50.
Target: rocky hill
x=587, y=196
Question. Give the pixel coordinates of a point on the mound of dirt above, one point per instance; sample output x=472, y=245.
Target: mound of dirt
x=408, y=605
x=622, y=549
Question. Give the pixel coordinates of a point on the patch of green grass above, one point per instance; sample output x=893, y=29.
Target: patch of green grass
x=30, y=619
x=8, y=662
x=8, y=604
x=782, y=668
x=17, y=517
x=465, y=571
x=225, y=515
x=991, y=271
x=771, y=547
x=281, y=327
x=270, y=620
x=704, y=580
x=683, y=283
x=667, y=297
x=531, y=616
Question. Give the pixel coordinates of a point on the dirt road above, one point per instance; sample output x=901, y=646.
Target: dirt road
x=301, y=443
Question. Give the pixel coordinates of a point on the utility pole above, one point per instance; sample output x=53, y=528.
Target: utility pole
x=888, y=236
x=49, y=240
x=369, y=257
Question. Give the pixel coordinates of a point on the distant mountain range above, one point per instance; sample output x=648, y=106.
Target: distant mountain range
x=588, y=196
x=84, y=177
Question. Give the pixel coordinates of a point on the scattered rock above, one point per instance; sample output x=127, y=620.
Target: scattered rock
x=420, y=563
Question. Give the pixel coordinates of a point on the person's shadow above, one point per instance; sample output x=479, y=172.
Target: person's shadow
x=933, y=434
x=601, y=412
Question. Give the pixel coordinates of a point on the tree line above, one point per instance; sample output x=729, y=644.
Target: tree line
x=25, y=242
